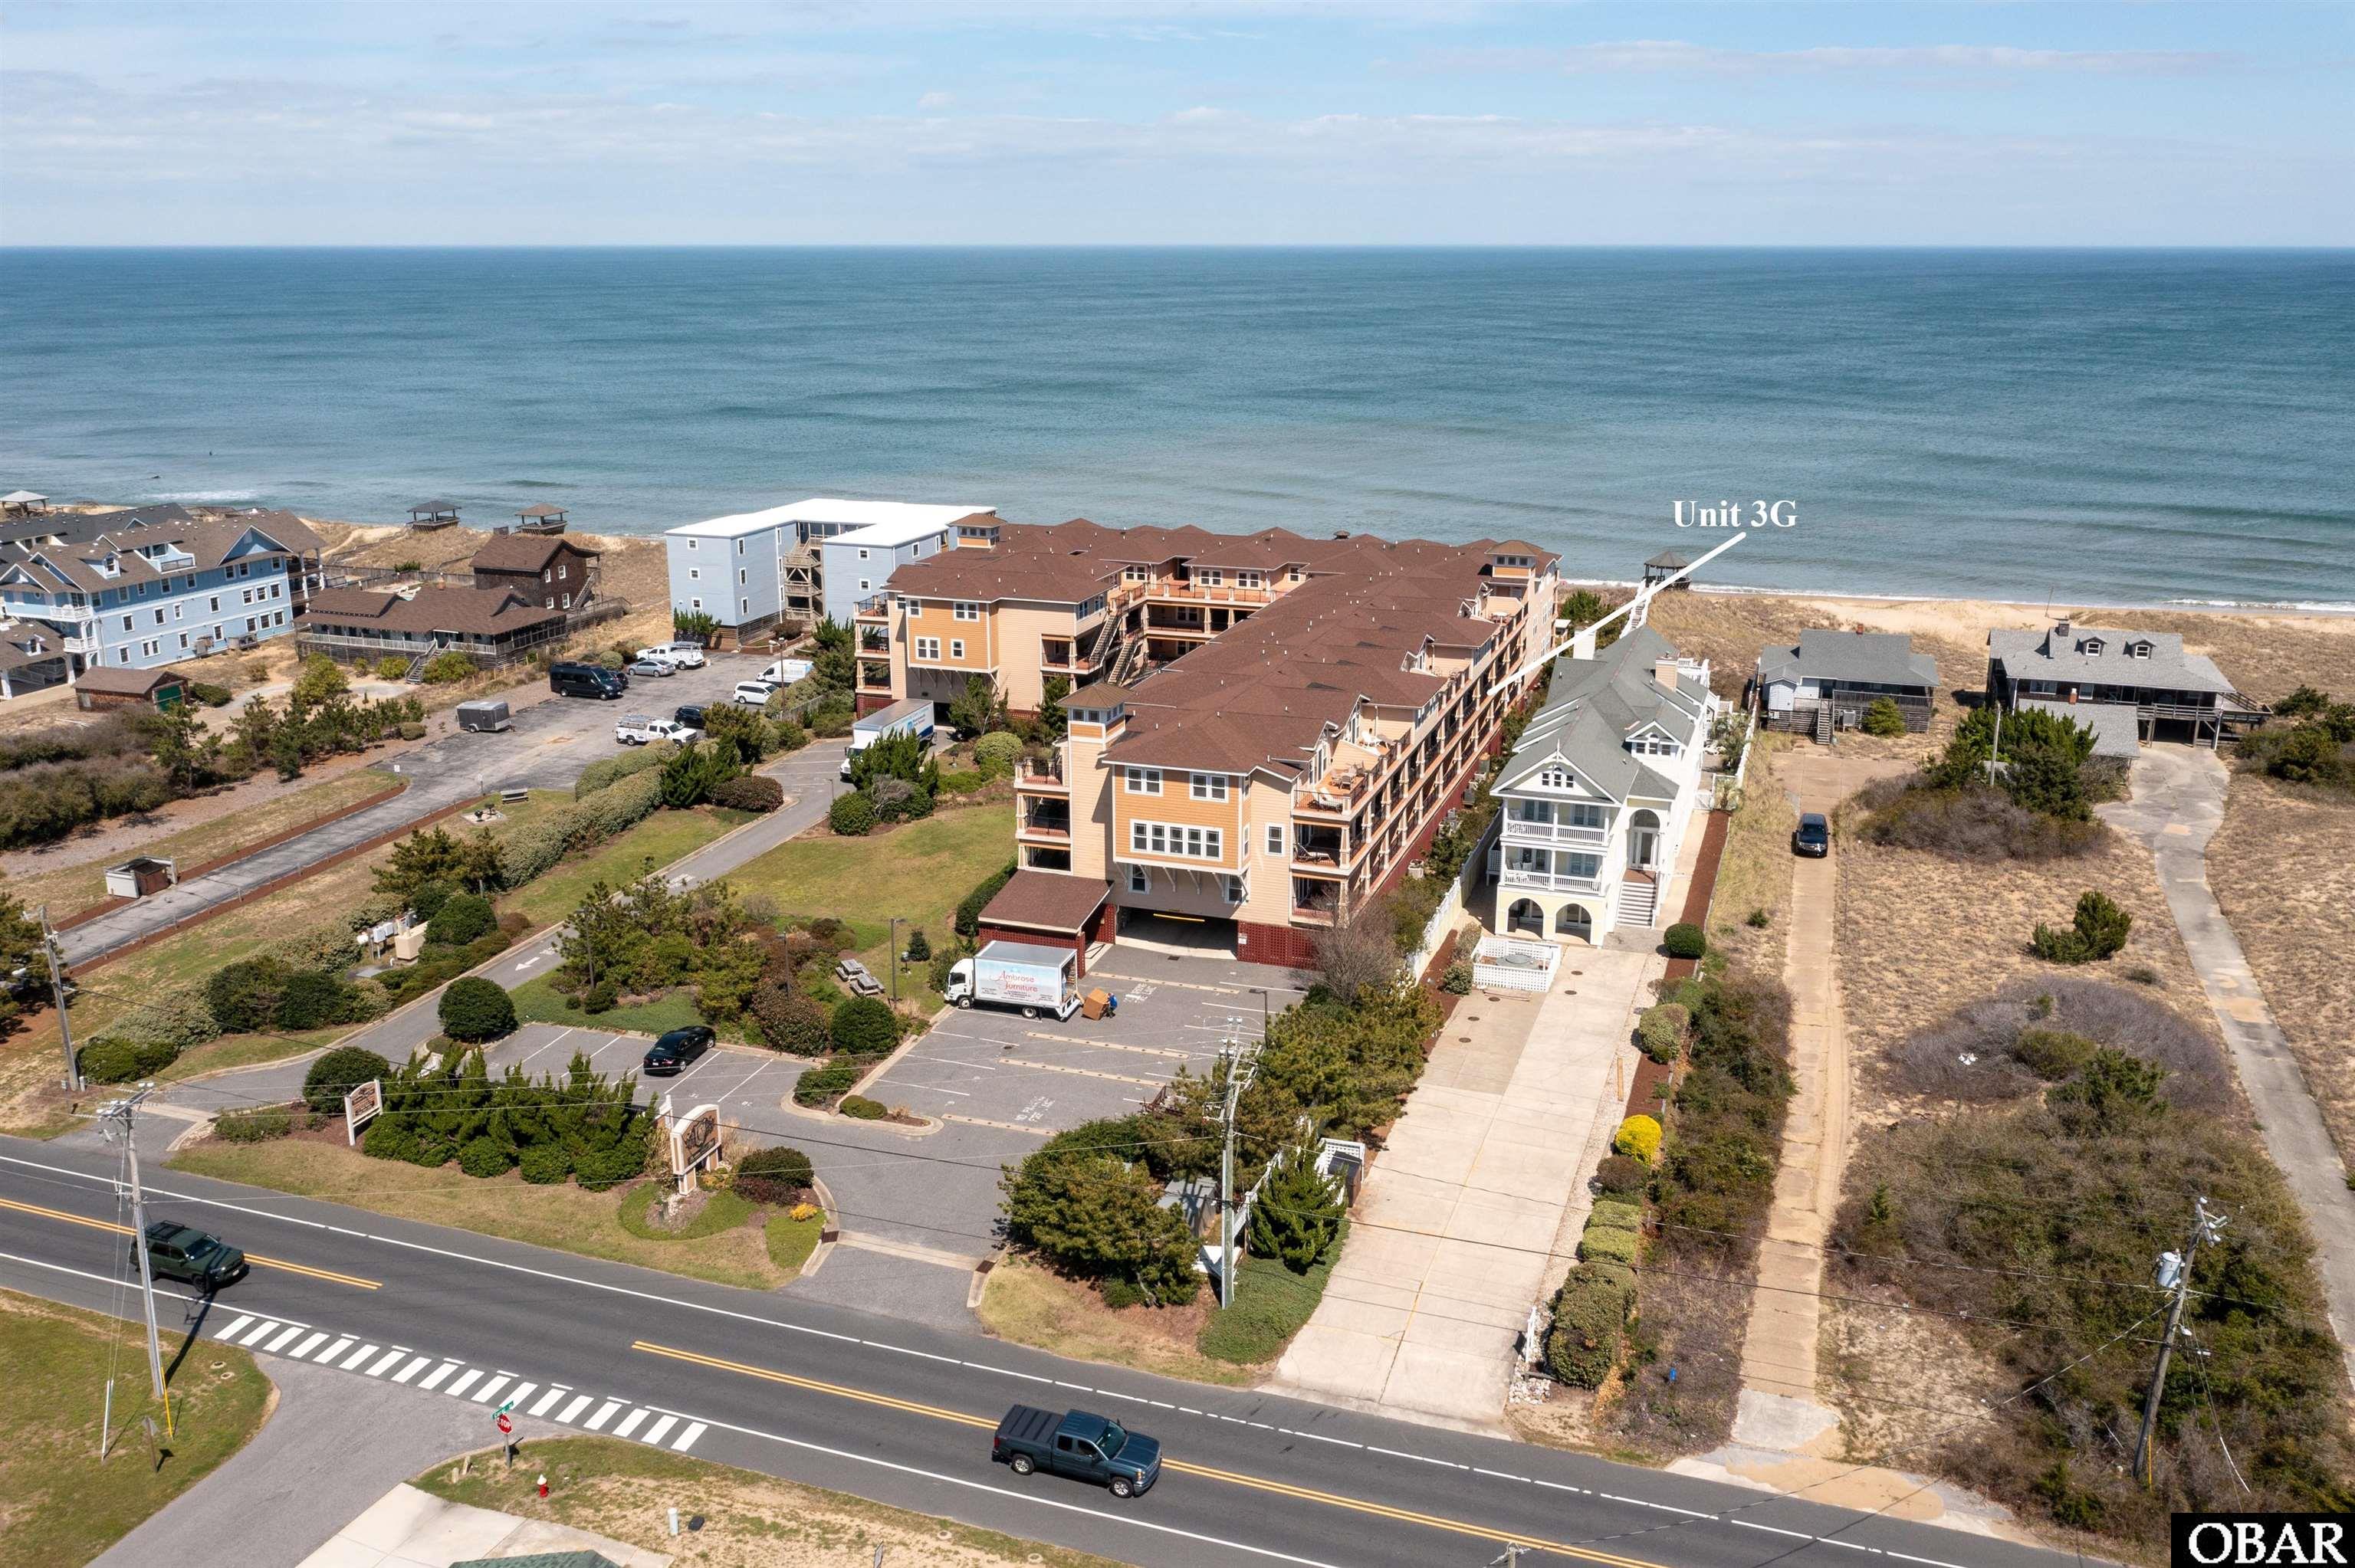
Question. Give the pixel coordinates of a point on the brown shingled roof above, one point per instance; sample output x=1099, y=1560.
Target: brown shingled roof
x=121, y=680
x=525, y=552
x=485, y=612
x=1047, y=901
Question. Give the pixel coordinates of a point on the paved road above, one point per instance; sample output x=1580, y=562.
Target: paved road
x=2177, y=805
x=900, y=1412
x=550, y=744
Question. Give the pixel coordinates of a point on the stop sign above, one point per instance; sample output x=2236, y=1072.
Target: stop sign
x=506, y=1426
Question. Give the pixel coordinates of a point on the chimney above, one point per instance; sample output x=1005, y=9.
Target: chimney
x=1664, y=674
x=2060, y=626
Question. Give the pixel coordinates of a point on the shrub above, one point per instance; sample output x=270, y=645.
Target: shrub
x=861, y=1106
x=1970, y=822
x=920, y=947
x=1684, y=940
x=1621, y=1173
x=2097, y=932
x=256, y=1125
x=1882, y=716
x=819, y=1084
x=1757, y=919
x=1661, y=1031
x=995, y=753
x=533, y=848
x=206, y=692
x=109, y=1061
x=473, y=1009
x=392, y=667
x=1299, y=1212
x=600, y=1169
x=410, y=729
x=313, y=1001
x=244, y=996
x=603, y=997
x=1590, y=1322
x=775, y=1175
x=864, y=1026
x=1609, y=1245
x=179, y=1018
x=389, y=1138
x=851, y=815
x=1638, y=1138
x=789, y=735
x=750, y=792
x=2053, y=1053
x=1457, y=979
x=789, y=1023
x=968, y=913
x=461, y=917
x=546, y=1164
x=452, y=664
x=1615, y=1214
x=485, y=1156
x=1117, y=1293
x=339, y=1072
x=426, y=900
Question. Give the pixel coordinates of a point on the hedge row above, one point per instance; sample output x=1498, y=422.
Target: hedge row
x=612, y=770
x=151, y=1036
x=533, y=849
x=1589, y=1323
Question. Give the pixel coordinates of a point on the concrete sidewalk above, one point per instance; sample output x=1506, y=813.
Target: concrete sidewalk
x=407, y=1528
x=1471, y=1215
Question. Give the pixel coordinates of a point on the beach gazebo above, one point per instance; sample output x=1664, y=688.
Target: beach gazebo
x=433, y=515
x=23, y=504
x=1666, y=565
x=541, y=520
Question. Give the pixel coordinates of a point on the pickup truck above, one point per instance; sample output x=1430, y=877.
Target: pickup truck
x=1091, y=1448
x=637, y=729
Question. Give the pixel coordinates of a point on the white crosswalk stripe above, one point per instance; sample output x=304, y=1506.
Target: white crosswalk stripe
x=547, y=1399
x=412, y=1369
x=392, y=1359
x=522, y=1392
x=654, y=1432
x=363, y=1353
x=440, y=1373
x=240, y=1321
x=489, y=1389
x=269, y=1327
x=285, y=1339
x=604, y=1414
x=630, y=1423
x=302, y=1352
x=338, y=1349
x=573, y=1409
x=686, y=1438
x=458, y=1390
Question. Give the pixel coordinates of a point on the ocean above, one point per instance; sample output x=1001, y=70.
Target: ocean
x=2115, y=427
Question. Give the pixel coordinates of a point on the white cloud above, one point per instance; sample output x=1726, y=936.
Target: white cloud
x=1675, y=56
x=936, y=101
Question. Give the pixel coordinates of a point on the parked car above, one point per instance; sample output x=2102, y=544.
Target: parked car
x=637, y=729
x=586, y=681
x=685, y=655
x=752, y=693
x=1090, y=1447
x=671, y=1053
x=690, y=714
x=644, y=666
x=1813, y=836
x=179, y=1252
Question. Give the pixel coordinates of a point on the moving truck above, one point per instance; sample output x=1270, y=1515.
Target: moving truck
x=1022, y=975
x=913, y=717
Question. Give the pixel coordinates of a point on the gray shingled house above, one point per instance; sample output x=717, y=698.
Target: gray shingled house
x=1844, y=672
x=2174, y=694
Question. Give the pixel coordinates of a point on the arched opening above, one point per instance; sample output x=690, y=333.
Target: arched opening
x=1525, y=916
x=1573, y=920
x=1643, y=840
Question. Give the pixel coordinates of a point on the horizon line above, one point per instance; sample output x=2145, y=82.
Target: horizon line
x=2156, y=247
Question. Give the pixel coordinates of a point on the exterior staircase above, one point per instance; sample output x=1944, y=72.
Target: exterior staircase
x=1107, y=639
x=1823, y=724
x=1131, y=662
x=1639, y=901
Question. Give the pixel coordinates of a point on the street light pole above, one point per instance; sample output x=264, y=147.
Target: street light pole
x=896, y=920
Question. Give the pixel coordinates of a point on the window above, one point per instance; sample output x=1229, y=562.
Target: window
x=1554, y=779
x=184, y=639
x=928, y=647
x=547, y=577
x=159, y=615
x=248, y=597
x=1164, y=838
x=690, y=544
x=1210, y=787
x=147, y=649
x=1583, y=814
x=1275, y=838
x=956, y=647
x=1250, y=580
x=695, y=574
x=1210, y=577
x=563, y=571
x=743, y=579
x=1142, y=780
x=1133, y=574
x=964, y=611
x=862, y=555
x=864, y=585
x=739, y=546
x=695, y=604
x=1139, y=879
x=126, y=623
x=1234, y=890
x=744, y=607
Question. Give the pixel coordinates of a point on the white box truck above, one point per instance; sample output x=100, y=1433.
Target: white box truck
x=913, y=717
x=1024, y=976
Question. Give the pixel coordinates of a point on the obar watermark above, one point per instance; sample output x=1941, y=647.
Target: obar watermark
x=2275, y=1539
x=1737, y=513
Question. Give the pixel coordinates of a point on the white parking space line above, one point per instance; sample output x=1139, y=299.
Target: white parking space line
x=240, y=1321
x=686, y=1438
x=302, y=1352
x=630, y=1423
x=579, y=1402
x=440, y=1373
x=709, y=1057
x=285, y=1339
x=412, y=1369
x=550, y=1397
x=458, y=1390
x=654, y=1432
x=332, y=1352
x=604, y=1414
x=484, y=1394
x=387, y=1364
x=363, y=1353
x=748, y=1078
x=550, y=1046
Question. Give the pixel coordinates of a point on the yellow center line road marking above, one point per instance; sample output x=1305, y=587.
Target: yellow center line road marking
x=254, y=1259
x=1282, y=1489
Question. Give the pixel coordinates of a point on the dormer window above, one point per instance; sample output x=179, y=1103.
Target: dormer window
x=1554, y=779
x=2091, y=645
x=2137, y=649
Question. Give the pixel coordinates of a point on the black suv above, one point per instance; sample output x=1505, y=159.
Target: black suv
x=674, y=1051
x=690, y=714
x=1813, y=836
x=586, y=681
x=179, y=1252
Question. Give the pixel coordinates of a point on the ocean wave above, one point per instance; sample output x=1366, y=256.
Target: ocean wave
x=205, y=497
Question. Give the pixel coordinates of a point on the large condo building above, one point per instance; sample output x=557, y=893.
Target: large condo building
x=1264, y=729
x=146, y=586
x=760, y=573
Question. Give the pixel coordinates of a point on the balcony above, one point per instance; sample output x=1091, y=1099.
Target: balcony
x=1548, y=881
x=1519, y=831
x=874, y=677
x=1315, y=903
x=1320, y=849
x=874, y=608
x=1048, y=820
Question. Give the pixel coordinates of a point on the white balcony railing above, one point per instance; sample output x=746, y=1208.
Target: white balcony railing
x=1525, y=832
x=1548, y=881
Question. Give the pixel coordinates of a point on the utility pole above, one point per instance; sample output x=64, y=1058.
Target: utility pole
x=1995, y=749
x=896, y=920
x=118, y=1112
x=2174, y=1274
x=1242, y=1063
x=58, y=995
x=1509, y=1558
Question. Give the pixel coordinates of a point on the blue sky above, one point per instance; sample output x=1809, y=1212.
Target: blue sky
x=1225, y=123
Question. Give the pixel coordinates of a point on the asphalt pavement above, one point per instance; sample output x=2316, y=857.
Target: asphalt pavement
x=895, y=1410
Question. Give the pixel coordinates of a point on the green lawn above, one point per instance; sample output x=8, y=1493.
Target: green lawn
x=791, y=1241
x=664, y=837
x=64, y=1505
x=1272, y=1304
x=537, y=1001
x=920, y=872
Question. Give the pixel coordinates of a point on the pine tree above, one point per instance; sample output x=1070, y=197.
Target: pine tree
x=1298, y=1212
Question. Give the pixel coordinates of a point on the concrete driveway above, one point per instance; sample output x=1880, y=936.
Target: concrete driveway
x=1471, y=1215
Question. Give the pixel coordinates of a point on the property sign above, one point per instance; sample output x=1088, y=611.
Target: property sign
x=694, y=1141
x=362, y=1104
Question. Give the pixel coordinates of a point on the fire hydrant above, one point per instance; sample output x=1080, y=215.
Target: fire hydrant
x=543, y=1486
